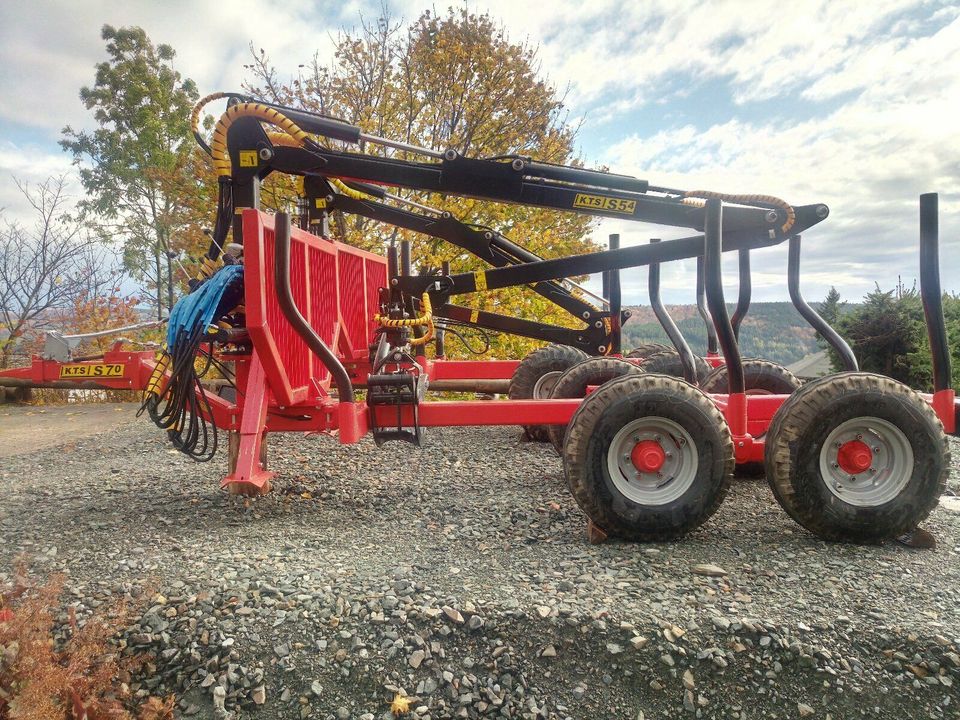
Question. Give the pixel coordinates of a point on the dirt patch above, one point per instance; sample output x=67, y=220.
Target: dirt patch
x=26, y=428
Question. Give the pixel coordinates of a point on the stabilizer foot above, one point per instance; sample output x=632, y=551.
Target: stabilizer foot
x=595, y=535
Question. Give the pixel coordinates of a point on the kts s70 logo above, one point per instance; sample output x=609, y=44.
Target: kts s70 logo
x=601, y=202
x=91, y=371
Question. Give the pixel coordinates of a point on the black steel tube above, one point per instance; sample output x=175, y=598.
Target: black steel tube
x=809, y=314
x=743, y=295
x=406, y=262
x=315, y=123
x=668, y=325
x=440, y=348
x=713, y=284
x=594, y=178
x=613, y=287
x=393, y=261
x=406, y=269
x=712, y=347
x=374, y=190
x=488, y=245
x=588, y=264
x=288, y=306
x=930, y=291
x=393, y=270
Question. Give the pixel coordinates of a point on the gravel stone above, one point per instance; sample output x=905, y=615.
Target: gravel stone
x=709, y=570
x=462, y=579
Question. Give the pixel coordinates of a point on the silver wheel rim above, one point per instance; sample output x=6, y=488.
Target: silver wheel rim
x=543, y=388
x=889, y=472
x=675, y=476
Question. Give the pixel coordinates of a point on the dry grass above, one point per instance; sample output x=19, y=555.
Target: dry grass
x=51, y=669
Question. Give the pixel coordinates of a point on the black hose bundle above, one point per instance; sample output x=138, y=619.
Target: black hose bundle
x=175, y=399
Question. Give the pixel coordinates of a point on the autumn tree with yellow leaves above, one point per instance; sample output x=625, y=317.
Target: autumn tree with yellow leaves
x=444, y=81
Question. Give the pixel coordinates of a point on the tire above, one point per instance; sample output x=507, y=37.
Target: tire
x=646, y=349
x=760, y=377
x=651, y=407
x=524, y=383
x=668, y=363
x=574, y=382
x=815, y=445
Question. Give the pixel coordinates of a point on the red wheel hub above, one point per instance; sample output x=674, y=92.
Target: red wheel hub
x=648, y=456
x=854, y=457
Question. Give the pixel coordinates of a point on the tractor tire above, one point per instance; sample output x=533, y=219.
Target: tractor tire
x=617, y=479
x=529, y=381
x=668, y=363
x=647, y=349
x=575, y=381
x=760, y=377
x=857, y=457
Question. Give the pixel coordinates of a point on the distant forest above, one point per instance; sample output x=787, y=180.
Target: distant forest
x=772, y=330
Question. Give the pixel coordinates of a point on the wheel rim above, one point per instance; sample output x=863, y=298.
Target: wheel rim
x=543, y=388
x=652, y=461
x=866, y=461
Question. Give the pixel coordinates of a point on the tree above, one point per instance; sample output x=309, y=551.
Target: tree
x=446, y=81
x=920, y=360
x=885, y=331
x=46, y=269
x=140, y=165
x=830, y=310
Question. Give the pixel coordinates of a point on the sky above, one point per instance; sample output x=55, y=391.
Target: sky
x=849, y=103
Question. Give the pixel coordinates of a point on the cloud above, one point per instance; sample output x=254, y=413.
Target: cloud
x=48, y=49
x=29, y=165
x=847, y=103
x=868, y=159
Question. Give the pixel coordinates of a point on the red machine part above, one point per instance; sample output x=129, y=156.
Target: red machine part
x=117, y=369
x=283, y=387
x=854, y=457
x=336, y=289
x=648, y=456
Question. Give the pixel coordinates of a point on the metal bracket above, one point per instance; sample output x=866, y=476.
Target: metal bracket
x=60, y=347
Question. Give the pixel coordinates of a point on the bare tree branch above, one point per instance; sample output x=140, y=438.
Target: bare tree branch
x=46, y=267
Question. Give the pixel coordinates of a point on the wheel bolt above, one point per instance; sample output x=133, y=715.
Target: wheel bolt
x=836, y=465
x=876, y=449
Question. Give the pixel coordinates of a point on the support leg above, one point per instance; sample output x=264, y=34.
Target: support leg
x=248, y=474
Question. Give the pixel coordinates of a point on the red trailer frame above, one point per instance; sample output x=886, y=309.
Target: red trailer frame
x=283, y=387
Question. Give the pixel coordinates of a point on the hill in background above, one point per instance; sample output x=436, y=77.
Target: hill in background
x=771, y=330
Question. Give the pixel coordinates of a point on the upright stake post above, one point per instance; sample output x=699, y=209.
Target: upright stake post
x=932, y=296
x=712, y=348
x=743, y=293
x=713, y=284
x=809, y=314
x=669, y=326
x=613, y=286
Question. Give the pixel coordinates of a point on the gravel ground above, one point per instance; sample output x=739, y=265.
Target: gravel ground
x=459, y=575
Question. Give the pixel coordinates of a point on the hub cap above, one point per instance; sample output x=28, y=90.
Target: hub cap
x=866, y=461
x=543, y=388
x=652, y=461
